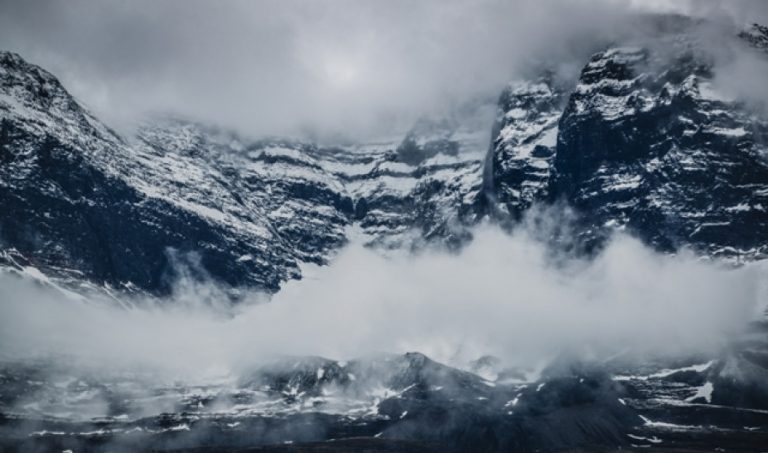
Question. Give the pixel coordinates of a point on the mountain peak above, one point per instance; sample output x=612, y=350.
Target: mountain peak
x=756, y=35
x=29, y=81
x=36, y=101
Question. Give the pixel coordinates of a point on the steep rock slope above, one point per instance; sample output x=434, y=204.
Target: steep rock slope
x=518, y=167
x=644, y=142
x=79, y=200
x=182, y=200
x=659, y=151
x=426, y=189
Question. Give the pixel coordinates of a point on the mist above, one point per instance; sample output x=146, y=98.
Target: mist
x=505, y=295
x=359, y=68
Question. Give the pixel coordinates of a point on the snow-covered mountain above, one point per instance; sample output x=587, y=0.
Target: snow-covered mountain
x=128, y=213
x=643, y=139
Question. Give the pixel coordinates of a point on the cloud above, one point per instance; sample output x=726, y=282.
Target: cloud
x=357, y=67
x=503, y=295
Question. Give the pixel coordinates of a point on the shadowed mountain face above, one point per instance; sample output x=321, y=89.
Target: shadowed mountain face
x=647, y=144
x=641, y=140
x=183, y=198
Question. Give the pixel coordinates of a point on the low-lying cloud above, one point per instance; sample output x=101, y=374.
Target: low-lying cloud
x=502, y=295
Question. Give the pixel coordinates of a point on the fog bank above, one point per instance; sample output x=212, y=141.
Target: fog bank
x=503, y=295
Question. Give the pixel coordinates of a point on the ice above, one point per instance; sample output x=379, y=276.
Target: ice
x=729, y=132
x=516, y=113
x=622, y=182
x=705, y=391
x=741, y=207
x=244, y=258
x=669, y=426
x=666, y=372
x=549, y=137
x=513, y=402
x=653, y=440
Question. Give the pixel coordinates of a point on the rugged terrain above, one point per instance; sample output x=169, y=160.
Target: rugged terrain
x=641, y=140
x=401, y=403
x=128, y=214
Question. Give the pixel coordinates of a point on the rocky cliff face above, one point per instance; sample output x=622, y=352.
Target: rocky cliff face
x=657, y=150
x=84, y=203
x=519, y=164
x=642, y=141
x=180, y=199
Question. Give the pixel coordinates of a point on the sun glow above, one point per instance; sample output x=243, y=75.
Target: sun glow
x=340, y=72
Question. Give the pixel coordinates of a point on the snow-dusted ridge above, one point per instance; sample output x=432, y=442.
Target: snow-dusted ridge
x=96, y=202
x=640, y=142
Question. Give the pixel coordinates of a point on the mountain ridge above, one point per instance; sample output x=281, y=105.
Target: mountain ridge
x=99, y=210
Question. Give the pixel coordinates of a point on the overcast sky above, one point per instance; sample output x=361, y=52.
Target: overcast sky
x=275, y=66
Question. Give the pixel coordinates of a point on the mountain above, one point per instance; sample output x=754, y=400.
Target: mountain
x=519, y=163
x=640, y=141
x=643, y=139
x=390, y=402
x=181, y=199
x=661, y=152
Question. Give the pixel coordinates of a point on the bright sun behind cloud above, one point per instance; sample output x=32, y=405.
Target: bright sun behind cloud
x=340, y=72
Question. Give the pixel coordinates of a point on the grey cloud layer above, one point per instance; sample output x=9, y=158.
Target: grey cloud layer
x=280, y=66
x=503, y=295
